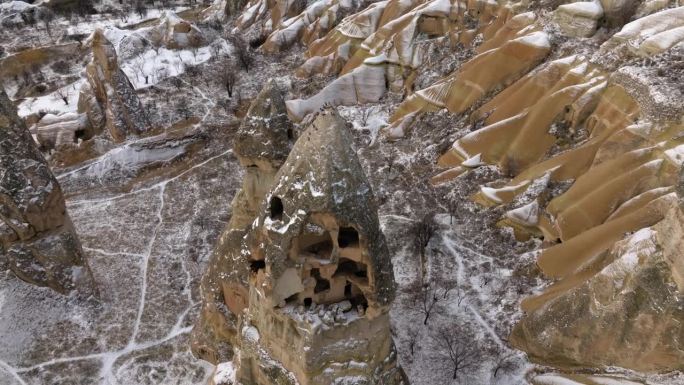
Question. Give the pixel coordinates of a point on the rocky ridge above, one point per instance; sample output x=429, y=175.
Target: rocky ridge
x=37, y=238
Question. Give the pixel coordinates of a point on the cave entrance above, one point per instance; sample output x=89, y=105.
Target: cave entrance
x=275, y=208
x=347, y=267
x=257, y=265
x=322, y=284
x=348, y=237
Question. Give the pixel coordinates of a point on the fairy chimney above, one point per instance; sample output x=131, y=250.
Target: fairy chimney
x=320, y=274
x=262, y=144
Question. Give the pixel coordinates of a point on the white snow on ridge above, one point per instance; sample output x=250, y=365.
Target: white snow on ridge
x=225, y=373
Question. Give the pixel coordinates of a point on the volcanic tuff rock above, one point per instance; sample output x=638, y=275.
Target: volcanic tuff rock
x=261, y=144
x=628, y=314
x=321, y=278
x=37, y=239
x=577, y=104
x=175, y=33
x=108, y=98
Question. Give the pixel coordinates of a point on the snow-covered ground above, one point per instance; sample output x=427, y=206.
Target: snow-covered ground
x=148, y=215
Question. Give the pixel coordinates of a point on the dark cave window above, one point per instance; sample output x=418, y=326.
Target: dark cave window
x=276, y=208
x=323, y=248
x=291, y=298
x=322, y=284
x=255, y=266
x=347, y=267
x=308, y=302
x=79, y=134
x=347, y=236
x=290, y=134
x=347, y=290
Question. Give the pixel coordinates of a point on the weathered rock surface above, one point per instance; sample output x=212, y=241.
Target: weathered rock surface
x=321, y=278
x=610, y=132
x=629, y=314
x=174, y=32
x=37, y=239
x=579, y=19
x=108, y=98
x=261, y=144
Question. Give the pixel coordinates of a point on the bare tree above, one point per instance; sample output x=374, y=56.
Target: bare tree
x=423, y=231
x=47, y=17
x=412, y=335
x=452, y=207
x=141, y=8
x=365, y=115
x=63, y=94
x=428, y=297
x=391, y=159
x=182, y=109
x=228, y=78
x=503, y=362
x=216, y=51
x=139, y=66
x=242, y=52
x=456, y=343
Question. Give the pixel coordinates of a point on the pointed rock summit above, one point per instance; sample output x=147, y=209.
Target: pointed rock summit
x=108, y=97
x=320, y=273
x=37, y=238
x=262, y=144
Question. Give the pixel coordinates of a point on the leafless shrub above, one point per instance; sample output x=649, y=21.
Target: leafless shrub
x=242, y=52
x=63, y=94
x=503, y=363
x=228, y=78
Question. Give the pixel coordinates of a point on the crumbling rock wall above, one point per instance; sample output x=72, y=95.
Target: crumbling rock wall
x=37, y=239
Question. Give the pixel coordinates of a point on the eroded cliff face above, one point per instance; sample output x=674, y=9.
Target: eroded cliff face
x=578, y=105
x=37, y=239
x=628, y=313
x=108, y=99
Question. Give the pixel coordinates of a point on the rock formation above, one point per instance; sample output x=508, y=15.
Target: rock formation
x=601, y=126
x=320, y=274
x=174, y=32
x=389, y=57
x=262, y=144
x=108, y=98
x=287, y=22
x=628, y=314
x=575, y=104
x=37, y=239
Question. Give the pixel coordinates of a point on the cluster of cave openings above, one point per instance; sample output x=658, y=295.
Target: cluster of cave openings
x=335, y=283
